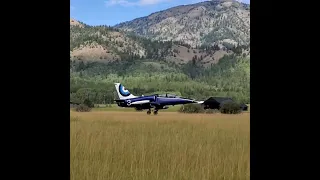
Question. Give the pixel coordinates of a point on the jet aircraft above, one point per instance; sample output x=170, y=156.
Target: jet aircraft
x=126, y=99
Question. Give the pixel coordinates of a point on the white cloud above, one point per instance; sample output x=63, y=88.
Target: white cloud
x=135, y=3
x=151, y=2
x=244, y=1
x=197, y=1
x=119, y=2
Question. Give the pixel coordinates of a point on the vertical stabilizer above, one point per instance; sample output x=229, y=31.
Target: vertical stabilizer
x=122, y=92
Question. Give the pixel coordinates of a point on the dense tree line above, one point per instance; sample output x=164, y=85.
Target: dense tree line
x=230, y=77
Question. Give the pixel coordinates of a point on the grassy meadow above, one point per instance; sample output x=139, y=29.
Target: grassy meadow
x=115, y=107
x=107, y=145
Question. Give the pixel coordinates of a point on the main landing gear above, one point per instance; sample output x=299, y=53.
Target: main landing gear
x=155, y=112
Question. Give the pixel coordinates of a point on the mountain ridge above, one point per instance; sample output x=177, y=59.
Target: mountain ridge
x=209, y=22
x=108, y=44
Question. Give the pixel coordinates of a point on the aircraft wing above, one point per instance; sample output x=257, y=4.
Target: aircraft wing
x=155, y=104
x=141, y=102
x=135, y=102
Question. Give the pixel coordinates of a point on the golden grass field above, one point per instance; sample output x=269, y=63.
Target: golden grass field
x=109, y=145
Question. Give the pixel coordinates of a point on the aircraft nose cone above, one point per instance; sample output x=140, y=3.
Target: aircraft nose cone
x=194, y=101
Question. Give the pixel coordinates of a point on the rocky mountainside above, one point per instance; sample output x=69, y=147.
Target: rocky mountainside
x=108, y=44
x=221, y=22
x=100, y=43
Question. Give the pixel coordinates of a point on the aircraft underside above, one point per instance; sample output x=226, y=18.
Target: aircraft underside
x=150, y=108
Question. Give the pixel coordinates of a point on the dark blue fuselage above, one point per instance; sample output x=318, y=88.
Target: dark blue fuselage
x=173, y=101
x=147, y=102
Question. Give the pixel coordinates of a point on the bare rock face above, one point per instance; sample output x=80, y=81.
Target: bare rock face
x=74, y=22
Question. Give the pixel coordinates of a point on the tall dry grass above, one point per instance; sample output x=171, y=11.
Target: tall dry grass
x=133, y=145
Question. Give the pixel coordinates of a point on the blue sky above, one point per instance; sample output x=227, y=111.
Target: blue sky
x=111, y=12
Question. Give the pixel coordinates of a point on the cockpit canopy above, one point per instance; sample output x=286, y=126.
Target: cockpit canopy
x=168, y=95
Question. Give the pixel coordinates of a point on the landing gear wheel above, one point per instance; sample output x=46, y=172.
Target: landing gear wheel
x=155, y=112
x=148, y=112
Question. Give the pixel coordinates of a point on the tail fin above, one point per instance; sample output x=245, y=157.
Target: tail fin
x=123, y=93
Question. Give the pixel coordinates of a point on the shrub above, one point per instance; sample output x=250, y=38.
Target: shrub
x=83, y=108
x=88, y=103
x=191, y=108
x=230, y=107
x=211, y=111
